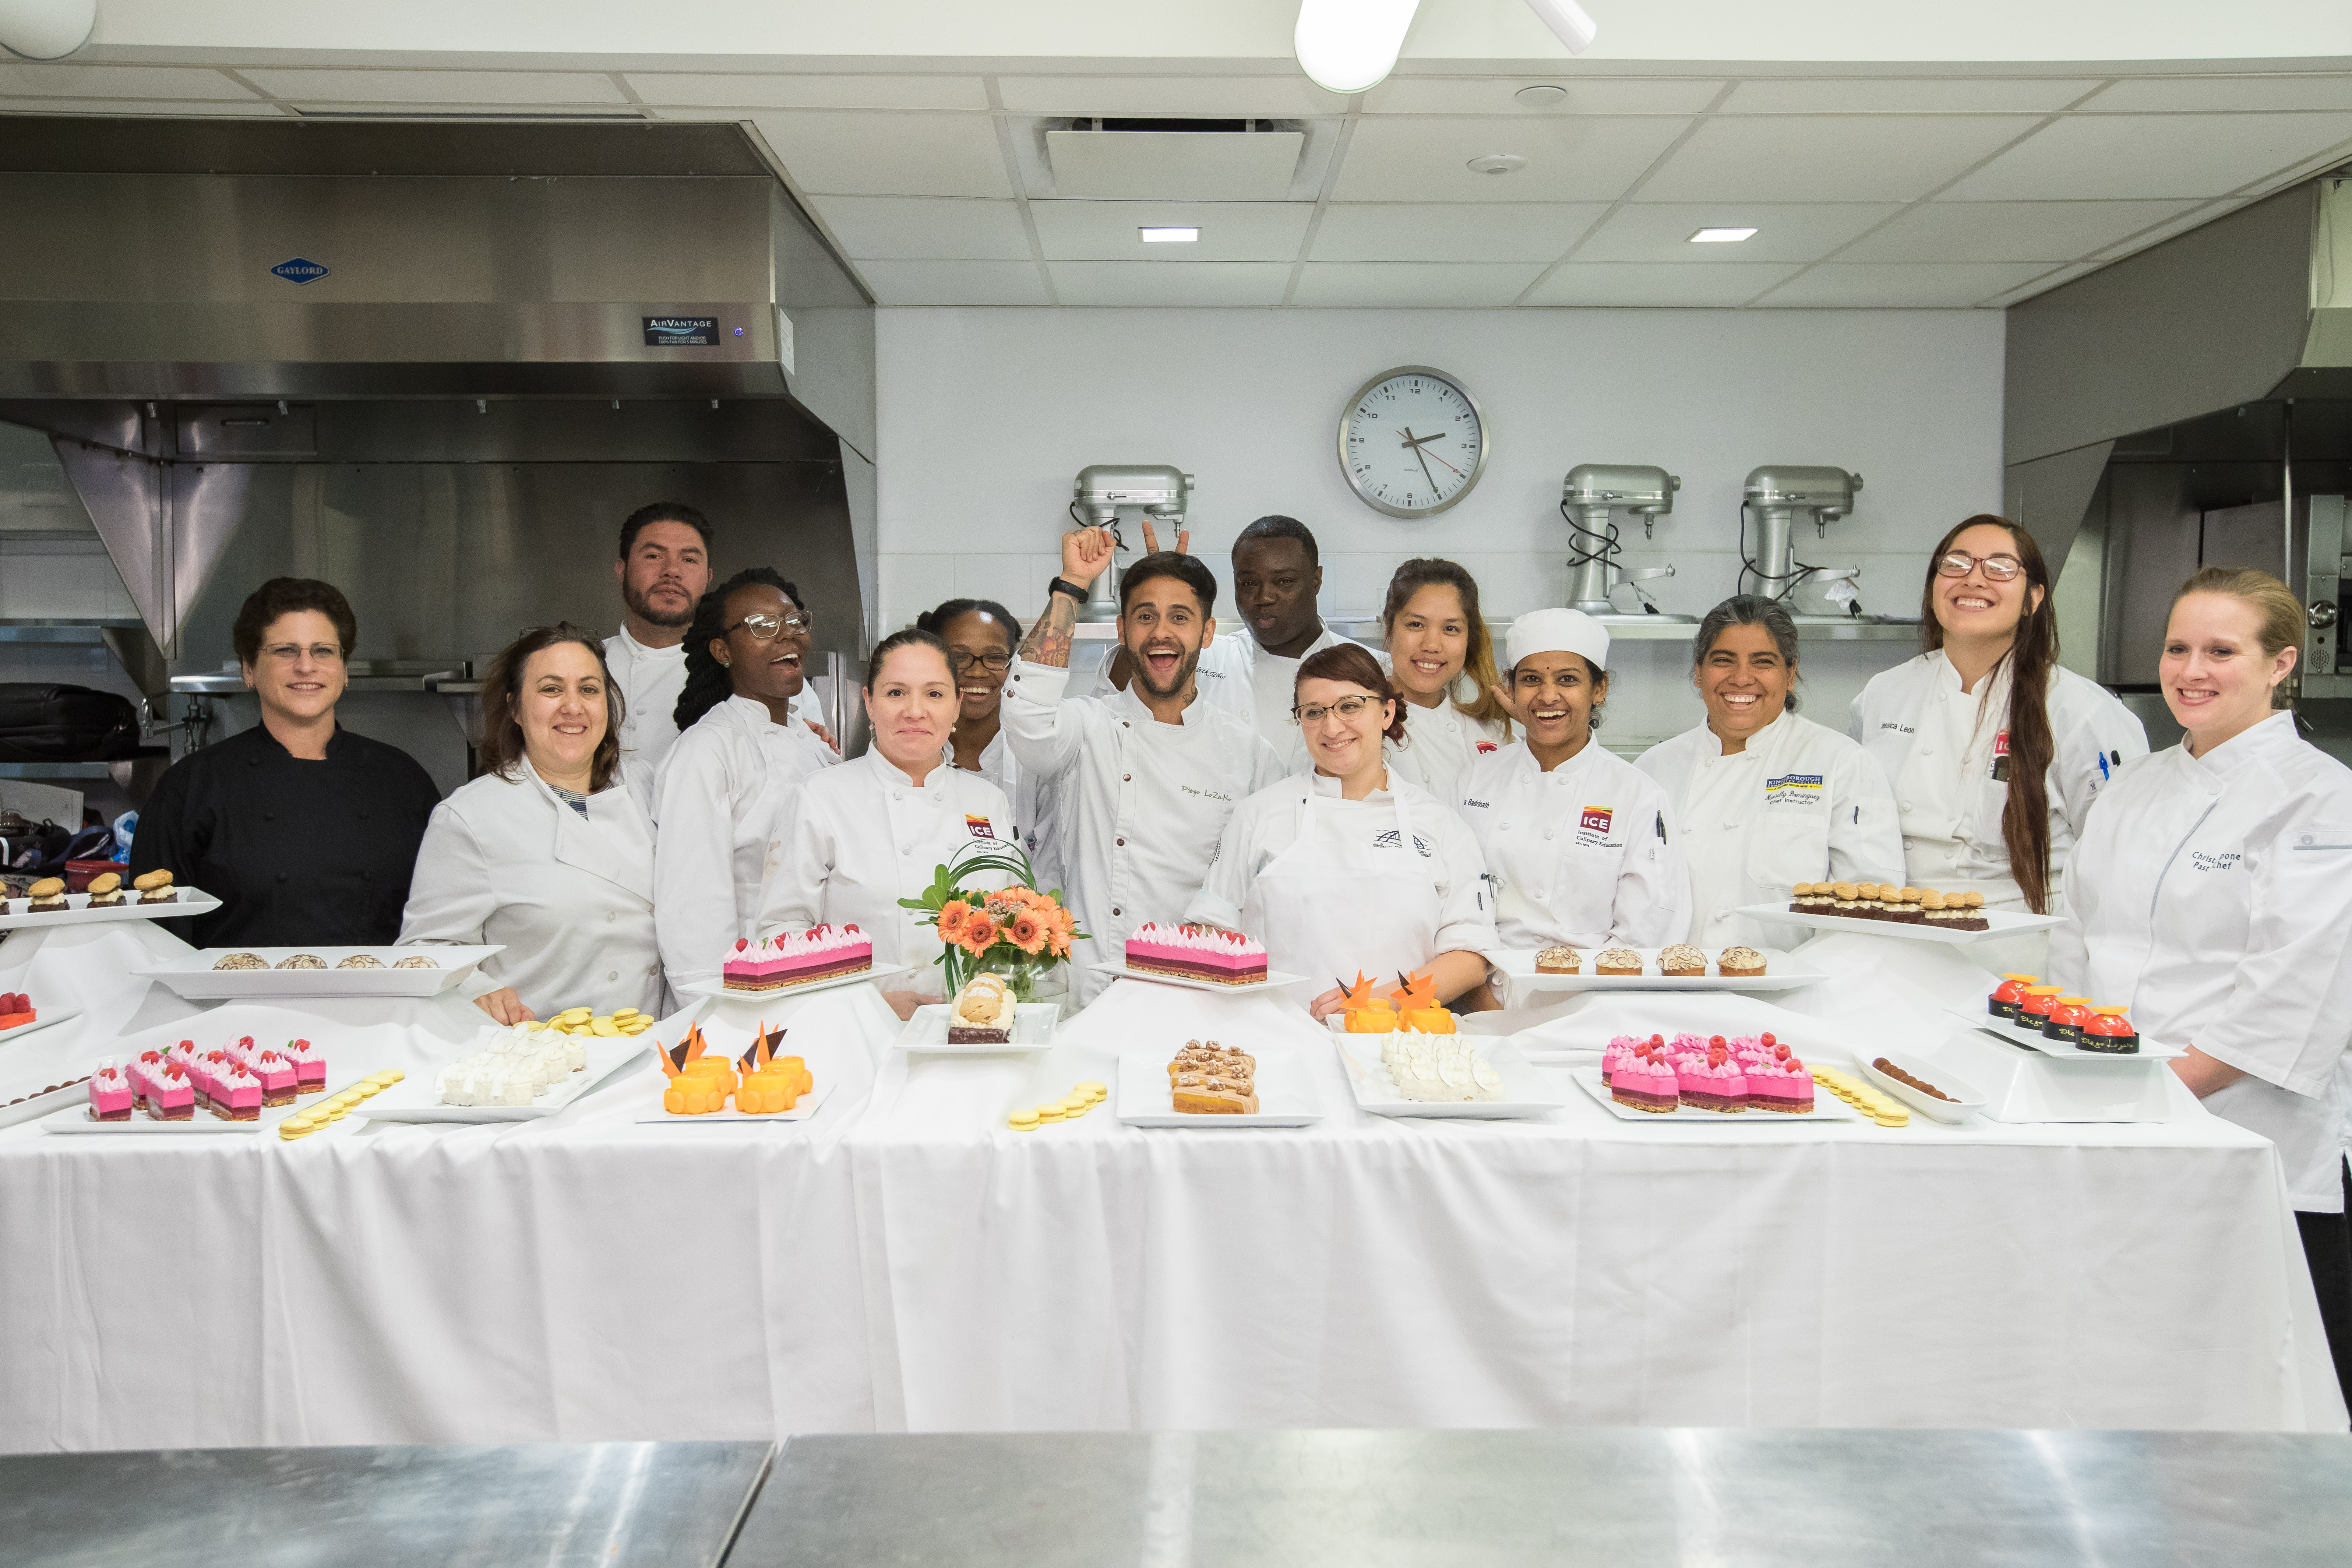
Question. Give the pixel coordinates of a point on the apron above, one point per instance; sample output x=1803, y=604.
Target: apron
x=1329, y=911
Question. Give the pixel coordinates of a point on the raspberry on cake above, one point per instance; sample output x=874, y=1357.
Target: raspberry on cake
x=1646, y=1080
x=1714, y=1083
x=110, y=1092
x=17, y=1010
x=1197, y=953
x=796, y=958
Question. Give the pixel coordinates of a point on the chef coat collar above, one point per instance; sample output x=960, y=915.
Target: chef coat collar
x=893, y=773
x=1760, y=743
x=1524, y=764
x=1324, y=638
x=1329, y=787
x=749, y=712
x=1129, y=705
x=2243, y=749
x=339, y=744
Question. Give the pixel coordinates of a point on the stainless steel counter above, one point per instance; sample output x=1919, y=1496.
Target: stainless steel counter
x=552, y=1505
x=1620, y=1497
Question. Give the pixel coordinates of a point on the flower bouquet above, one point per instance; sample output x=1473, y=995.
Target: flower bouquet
x=1014, y=932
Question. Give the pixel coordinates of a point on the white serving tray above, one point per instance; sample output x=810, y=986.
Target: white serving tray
x=416, y=1098
x=2150, y=1050
x=1781, y=972
x=191, y=975
x=2001, y=922
x=1827, y=1107
x=48, y=1017
x=1286, y=1093
x=720, y=993
x=1274, y=980
x=1526, y=1092
x=803, y=1108
x=1965, y=1102
x=926, y=1033
x=35, y=1106
x=75, y=1117
x=78, y=911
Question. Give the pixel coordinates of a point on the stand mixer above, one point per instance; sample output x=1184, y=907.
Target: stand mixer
x=1776, y=494
x=1586, y=497
x=1103, y=492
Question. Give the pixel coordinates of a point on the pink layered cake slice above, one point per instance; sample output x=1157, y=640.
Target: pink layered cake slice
x=1646, y=1080
x=1713, y=1082
x=211, y=1067
x=1782, y=1083
x=110, y=1091
x=820, y=953
x=143, y=1068
x=276, y=1073
x=310, y=1067
x=171, y=1096
x=1196, y=952
x=237, y=1094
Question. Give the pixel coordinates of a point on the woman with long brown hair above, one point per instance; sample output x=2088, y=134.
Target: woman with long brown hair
x=1442, y=659
x=546, y=853
x=1993, y=748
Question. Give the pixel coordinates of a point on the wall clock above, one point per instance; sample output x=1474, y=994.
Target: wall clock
x=1413, y=441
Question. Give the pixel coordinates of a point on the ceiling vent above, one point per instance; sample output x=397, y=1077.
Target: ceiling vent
x=1174, y=160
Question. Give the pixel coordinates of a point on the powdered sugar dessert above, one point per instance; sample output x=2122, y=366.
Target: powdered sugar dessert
x=796, y=958
x=1197, y=953
x=1439, y=1068
x=1780, y=1082
x=513, y=1066
x=1713, y=1082
x=1646, y=1080
x=110, y=1091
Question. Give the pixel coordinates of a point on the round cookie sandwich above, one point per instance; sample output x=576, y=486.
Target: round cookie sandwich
x=155, y=887
x=105, y=891
x=47, y=896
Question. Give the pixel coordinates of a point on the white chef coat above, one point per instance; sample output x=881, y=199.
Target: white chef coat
x=649, y=680
x=1924, y=734
x=1240, y=678
x=1032, y=801
x=1588, y=854
x=720, y=801
x=2213, y=897
x=1800, y=803
x=864, y=835
x=1441, y=744
x=1332, y=886
x=571, y=897
x=1138, y=805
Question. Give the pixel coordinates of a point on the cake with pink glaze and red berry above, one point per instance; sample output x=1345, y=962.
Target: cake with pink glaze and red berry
x=1646, y=1080
x=1781, y=1082
x=171, y=1096
x=110, y=1091
x=278, y=1075
x=796, y=958
x=310, y=1067
x=236, y=1093
x=1197, y=953
x=1713, y=1082
x=1613, y=1056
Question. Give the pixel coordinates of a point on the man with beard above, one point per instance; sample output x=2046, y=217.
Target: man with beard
x=664, y=570
x=1143, y=779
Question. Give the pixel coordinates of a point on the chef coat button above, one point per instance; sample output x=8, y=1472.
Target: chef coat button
x=1551, y=833
x=269, y=816
x=653, y=968
x=610, y=917
x=1906, y=805
x=363, y=816
x=1540, y=899
x=281, y=876
x=1129, y=778
x=615, y=975
x=1114, y=914
x=1122, y=844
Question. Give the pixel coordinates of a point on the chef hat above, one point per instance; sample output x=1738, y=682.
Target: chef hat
x=1557, y=631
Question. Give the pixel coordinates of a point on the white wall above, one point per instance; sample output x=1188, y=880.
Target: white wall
x=986, y=415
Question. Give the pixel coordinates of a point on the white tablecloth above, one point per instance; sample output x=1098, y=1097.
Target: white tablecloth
x=904, y=1260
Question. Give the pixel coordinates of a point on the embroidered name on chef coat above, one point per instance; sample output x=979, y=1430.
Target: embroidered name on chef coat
x=1390, y=840
x=2200, y=861
x=1793, y=789
x=979, y=827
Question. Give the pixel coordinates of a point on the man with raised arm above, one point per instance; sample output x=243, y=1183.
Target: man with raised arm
x=1143, y=778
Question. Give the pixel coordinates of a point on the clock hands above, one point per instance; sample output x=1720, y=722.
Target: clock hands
x=1425, y=474
x=1415, y=443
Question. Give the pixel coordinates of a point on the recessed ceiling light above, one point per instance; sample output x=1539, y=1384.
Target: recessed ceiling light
x=1169, y=236
x=1720, y=235
x=1543, y=95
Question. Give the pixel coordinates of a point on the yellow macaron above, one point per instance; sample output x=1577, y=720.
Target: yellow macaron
x=1022, y=1121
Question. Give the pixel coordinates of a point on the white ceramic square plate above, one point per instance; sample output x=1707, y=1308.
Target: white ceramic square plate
x=75, y=1117
x=1781, y=972
x=77, y=913
x=2150, y=1050
x=803, y=1108
x=414, y=1098
x=1827, y=1107
x=191, y=975
x=926, y=1033
x=1966, y=1100
x=1527, y=1091
x=1274, y=980
x=879, y=971
x=45, y=1016
x=1286, y=1093
x=2001, y=923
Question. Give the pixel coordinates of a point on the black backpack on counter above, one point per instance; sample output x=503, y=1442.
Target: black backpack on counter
x=44, y=723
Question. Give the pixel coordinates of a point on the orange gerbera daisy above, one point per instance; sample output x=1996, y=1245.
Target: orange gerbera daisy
x=979, y=934
x=952, y=916
x=1028, y=932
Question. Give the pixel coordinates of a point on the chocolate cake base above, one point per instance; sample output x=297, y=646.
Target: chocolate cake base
x=972, y=1034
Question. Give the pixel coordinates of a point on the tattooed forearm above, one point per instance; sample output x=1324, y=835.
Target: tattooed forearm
x=1048, y=641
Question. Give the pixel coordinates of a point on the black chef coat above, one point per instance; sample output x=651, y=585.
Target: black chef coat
x=300, y=853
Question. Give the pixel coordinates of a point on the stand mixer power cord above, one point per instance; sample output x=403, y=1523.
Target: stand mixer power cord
x=1799, y=571
x=1605, y=547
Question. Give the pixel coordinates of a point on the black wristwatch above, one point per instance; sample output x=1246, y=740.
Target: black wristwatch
x=1063, y=586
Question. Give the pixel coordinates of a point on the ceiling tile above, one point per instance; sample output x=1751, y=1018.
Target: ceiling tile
x=937, y=229
x=954, y=282
x=1783, y=232
x=436, y=86
x=117, y=82
x=888, y=154
x=2272, y=93
x=1413, y=284
x=1835, y=158
x=1907, y=95
x=1918, y=284
x=2151, y=156
x=2009, y=231
x=1633, y=283
x=1492, y=95
x=1569, y=158
x=1170, y=282
x=1230, y=231
x=2195, y=217
x=251, y=108
x=1149, y=97
x=1452, y=231
x=748, y=90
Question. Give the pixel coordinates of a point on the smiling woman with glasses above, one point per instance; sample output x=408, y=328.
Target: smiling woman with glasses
x=306, y=832
x=982, y=637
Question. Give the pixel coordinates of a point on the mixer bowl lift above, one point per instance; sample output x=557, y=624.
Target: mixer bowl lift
x=1103, y=492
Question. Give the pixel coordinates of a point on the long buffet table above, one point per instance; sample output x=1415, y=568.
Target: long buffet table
x=903, y=1261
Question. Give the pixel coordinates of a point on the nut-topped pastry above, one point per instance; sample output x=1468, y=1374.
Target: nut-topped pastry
x=1558, y=958
x=1743, y=962
x=1683, y=960
x=241, y=961
x=418, y=961
x=1618, y=961
x=302, y=960
x=361, y=960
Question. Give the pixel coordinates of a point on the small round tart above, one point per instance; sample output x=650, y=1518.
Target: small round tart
x=1618, y=961
x=1682, y=959
x=1558, y=958
x=361, y=960
x=241, y=961
x=418, y=961
x=302, y=960
x=1739, y=960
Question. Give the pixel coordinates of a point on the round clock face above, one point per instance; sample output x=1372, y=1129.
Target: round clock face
x=1411, y=442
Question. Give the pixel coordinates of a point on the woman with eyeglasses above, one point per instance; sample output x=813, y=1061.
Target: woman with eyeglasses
x=721, y=797
x=306, y=832
x=1350, y=867
x=1994, y=750
x=982, y=639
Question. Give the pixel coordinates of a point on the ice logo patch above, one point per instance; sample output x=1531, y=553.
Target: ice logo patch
x=1597, y=818
x=979, y=827
x=299, y=270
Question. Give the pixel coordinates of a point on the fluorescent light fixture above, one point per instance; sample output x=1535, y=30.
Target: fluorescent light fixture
x=1169, y=236
x=1568, y=22
x=1351, y=46
x=1720, y=235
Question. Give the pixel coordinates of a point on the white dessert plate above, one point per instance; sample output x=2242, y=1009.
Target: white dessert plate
x=1966, y=1101
x=417, y=1098
x=48, y=1016
x=192, y=977
x=2150, y=1050
x=1827, y=1107
x=78, y=911
x=33, y=1106
x=1781, y=972
x=1526, y=1092
x=1274, y=980
x=1286, y=1093
x=879, y=971
x=2000, y=923
x=803, y=1108
x=75, y=1117
x=926, y=1033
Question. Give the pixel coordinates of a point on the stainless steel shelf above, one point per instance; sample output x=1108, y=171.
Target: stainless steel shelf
x=85, y=632
x=57, y=769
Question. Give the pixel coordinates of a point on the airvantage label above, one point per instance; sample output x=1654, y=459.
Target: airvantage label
x=681, y=331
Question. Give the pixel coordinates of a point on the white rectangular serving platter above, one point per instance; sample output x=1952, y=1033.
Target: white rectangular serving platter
x=926, y=1033
x=75, y=1117
x=1827, y=1107
x=1285, y=1094
x=807, y=987
x=415, y=1097
x=46, y=1017
x=191, y=975
x=78, y=911
x=2034, y=1039
x=2001, y=922
x=803, y=1108
x=35, y=1106
x=1526, y=1094
x=1274, y=980
x=1966, y=1100
x=1781, y=972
